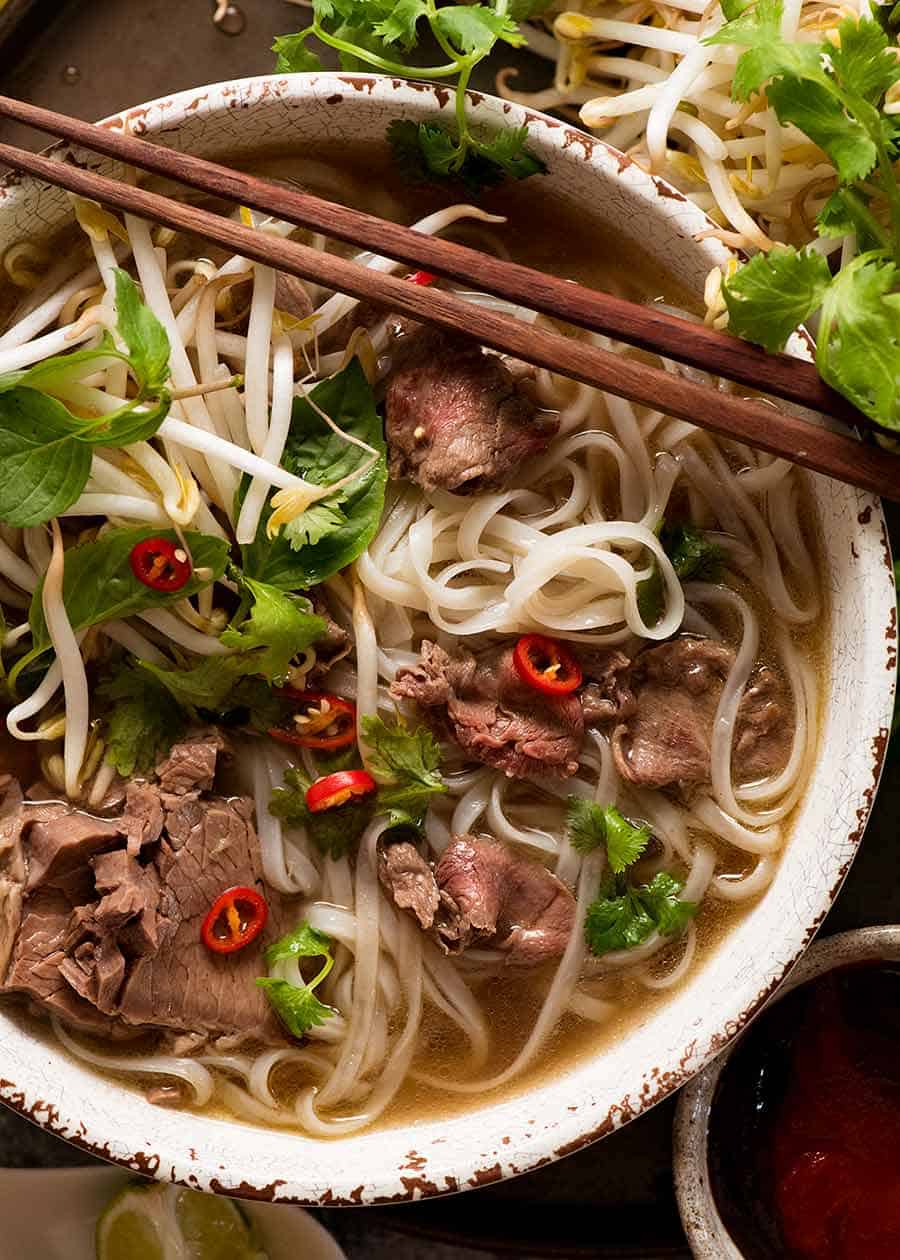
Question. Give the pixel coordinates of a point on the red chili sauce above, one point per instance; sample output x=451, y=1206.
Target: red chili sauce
x=804, y=1136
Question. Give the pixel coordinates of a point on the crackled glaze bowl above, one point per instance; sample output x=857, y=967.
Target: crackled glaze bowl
x=509, y=1134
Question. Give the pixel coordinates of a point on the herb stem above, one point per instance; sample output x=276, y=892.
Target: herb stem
x=389, y=67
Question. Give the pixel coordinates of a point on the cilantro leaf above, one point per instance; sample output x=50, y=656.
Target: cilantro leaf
x=296, y=1006
x=591, y=825
x=279, y=626
x=508, y=150
x=692, y=554
x=406, y=765
x=858, y=349
x=317, y=522
x=812, y=107
x=142, y=721
x=524, y=10
x=862, y=61
x=303, y=942
x=399, y=27
x=476, y=27
x=759, y=30
x=293, y=54
x=624, y=915
x=769, y=296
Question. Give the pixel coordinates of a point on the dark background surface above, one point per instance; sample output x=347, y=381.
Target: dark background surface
x=91, y=58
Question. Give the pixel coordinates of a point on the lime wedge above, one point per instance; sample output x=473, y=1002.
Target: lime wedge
x=166, y=1223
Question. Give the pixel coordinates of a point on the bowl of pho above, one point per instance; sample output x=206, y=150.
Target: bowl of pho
x=415, y=765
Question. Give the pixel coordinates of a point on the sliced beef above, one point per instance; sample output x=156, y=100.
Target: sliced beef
x=491, y=894
x=497, y=718
x=182, y=985
x=456, y=418
x=409, y=880
x=191, y=765
x=607, y=694
x=335, y=643
x=102, y=916
x=482, y=892
x=667, y=737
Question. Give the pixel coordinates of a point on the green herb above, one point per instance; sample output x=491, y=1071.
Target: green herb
x=406, y=765
x=591, y=825
x=43, y=466
x=834, y=92
x=692, y=554
x=141, y=722
x=334, y=832
x=297, y=1006
x=624, y=915
x=98, y=584
x=279, y=626
x=382, y=33
x=332, y=533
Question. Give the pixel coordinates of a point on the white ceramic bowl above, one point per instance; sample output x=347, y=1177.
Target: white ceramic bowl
x=706, y=1232
x=517, y=1132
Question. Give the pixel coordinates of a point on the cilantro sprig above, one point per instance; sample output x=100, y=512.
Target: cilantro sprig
x=834, y=92
x=297, y=1006
x=624, y=913
x=383, y=33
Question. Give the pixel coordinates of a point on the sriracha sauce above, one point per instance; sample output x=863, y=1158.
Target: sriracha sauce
x=805, y=1127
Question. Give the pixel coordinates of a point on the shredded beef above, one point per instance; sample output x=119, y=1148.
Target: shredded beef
x=496, y=717
x=335, y=643
x=457, y=418
x=666, y=738
x=606, y=694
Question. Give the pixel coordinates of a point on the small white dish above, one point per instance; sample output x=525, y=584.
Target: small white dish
x=706, y=1232
x=51, y=1214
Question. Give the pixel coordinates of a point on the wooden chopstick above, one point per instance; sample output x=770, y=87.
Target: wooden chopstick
x=646, y=327
x=757, y=423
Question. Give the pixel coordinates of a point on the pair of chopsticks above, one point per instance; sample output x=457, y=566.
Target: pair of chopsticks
x=755, y=422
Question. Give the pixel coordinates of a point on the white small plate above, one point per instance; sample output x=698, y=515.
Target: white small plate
x=51, y=1214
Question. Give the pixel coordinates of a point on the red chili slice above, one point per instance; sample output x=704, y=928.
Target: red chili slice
x=422, y=277
x=160, y=565
x=337, y=789
x=321, y=720
x=237, y=917
x=546, y=665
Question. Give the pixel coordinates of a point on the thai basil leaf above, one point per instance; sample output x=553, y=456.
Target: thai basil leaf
x=315, y=452
x=43, y=466
x=98, y=584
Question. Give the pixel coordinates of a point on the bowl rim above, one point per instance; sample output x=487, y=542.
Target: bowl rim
x=532, y=1142
x=706, y=1232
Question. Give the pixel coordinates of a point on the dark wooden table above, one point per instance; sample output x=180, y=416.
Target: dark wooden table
x=90, y=58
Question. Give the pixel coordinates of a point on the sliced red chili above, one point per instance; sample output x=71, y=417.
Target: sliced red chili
x=160, y=565
x=422, y=277
x=237, y=917
x=337, y=789
x=546, y=665
x=320, y=720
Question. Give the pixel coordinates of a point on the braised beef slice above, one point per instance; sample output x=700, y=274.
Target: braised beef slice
x=667, y=737
x=496, y=717
x=481, y=892
x=191, y=765
x=606, y=694
x=457, y=418
x=182, y=985
x=409, y=880
x=491, y=894
x=112, y=944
